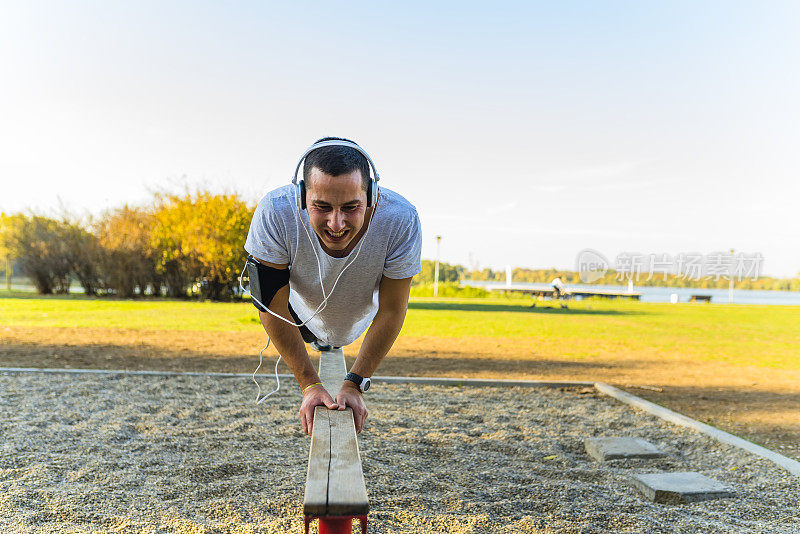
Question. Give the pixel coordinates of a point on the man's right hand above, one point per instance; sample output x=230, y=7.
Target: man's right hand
x=313, y=397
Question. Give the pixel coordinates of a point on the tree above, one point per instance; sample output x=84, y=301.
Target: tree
x=39, y=245
x=128, y=260
x=5, y=253
x=82, y=254
x=200, y=240
x=447, y=273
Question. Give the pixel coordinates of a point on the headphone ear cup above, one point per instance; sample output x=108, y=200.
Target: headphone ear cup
x=371, y=193
x=301, y=195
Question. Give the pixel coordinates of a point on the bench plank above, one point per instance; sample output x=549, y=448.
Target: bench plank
x=335, y=481
x=332, y=370
x=347, y=494
x=315, y=501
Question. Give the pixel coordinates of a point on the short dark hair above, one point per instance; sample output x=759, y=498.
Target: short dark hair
x=336, y=160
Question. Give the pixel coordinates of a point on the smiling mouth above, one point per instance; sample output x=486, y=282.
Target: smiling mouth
x=336, y=236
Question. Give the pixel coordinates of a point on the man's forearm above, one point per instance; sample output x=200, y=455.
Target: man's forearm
x=289, y=342
x=379, y=339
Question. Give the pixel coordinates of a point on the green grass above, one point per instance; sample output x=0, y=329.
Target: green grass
x=766, y=336
x=26, y=310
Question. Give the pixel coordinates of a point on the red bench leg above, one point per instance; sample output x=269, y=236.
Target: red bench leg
x=337, y=525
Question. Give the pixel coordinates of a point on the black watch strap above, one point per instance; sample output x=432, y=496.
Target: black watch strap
x=360, y=381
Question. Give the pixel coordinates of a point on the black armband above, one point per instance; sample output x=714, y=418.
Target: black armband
x=265, y=281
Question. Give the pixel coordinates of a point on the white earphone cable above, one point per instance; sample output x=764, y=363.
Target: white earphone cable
x=259, y=400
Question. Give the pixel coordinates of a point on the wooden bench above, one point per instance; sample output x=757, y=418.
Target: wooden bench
x=335, y=489
x=700, y=298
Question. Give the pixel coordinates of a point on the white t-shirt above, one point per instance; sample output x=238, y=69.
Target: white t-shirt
x=391, y=248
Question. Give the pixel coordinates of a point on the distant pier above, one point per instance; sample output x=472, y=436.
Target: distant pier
x=545, y=290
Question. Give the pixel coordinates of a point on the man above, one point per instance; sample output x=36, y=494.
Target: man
x=559, y=291
x=373, y=284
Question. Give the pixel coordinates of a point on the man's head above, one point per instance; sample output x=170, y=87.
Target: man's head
x=336, y=160
x=336, y=179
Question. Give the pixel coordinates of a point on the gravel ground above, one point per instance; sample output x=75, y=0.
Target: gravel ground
x=123, y=453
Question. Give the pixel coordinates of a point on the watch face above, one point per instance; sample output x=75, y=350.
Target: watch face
x=365, y=384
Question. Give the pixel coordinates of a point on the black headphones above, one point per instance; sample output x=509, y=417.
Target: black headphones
x=300, y=186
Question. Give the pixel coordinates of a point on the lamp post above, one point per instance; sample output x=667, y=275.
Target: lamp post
x=436, y=268
x=730, y=283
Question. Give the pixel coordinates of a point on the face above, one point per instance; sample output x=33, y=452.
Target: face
x=337, y=206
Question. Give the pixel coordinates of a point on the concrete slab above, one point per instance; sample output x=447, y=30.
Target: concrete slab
x=793, y=466
x=603, y=449
x=680, y=488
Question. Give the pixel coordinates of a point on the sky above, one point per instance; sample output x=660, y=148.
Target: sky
x=523, y=132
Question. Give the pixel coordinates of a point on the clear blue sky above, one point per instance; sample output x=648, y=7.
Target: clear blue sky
x=523, y=132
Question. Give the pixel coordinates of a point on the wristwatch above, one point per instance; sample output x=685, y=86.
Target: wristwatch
x=360, y=381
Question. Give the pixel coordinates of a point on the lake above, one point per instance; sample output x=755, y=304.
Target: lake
x=662, y=294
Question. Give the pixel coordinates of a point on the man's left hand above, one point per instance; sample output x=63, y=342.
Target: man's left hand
x=350, y=397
